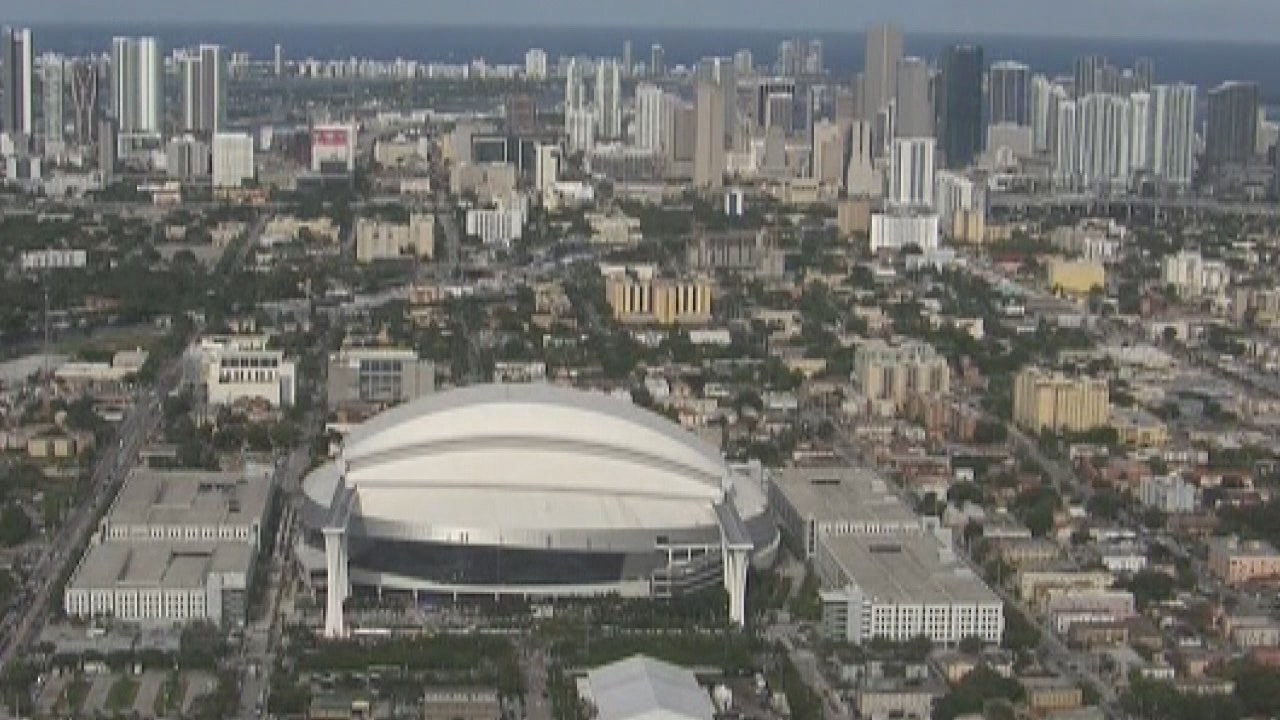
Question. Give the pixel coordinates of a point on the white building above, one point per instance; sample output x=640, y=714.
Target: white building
x=953, y=192
x=652, y=115
x=232, y=159
x=1193, y=276
x=1169, y=494
x=137, y=88
x=580, y=128
x=1173, y=132
x=894, y=231
x=641, y=688
x=546, y=167
x=53, y=259
x=900, y=586
x=609, y=99
x=240, y=367
x=1041, y=91
x=496, y=226
x=811, y=502
x=333, y=147
x=911, y=172
x=535, y=64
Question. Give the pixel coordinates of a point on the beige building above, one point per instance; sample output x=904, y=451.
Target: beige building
x=1238, y=562
x=381, y=239
x=1138, y=428
x=1038, y=587
x=461, y=703
x=1051, y=694
x=895, y=372
x=1044, y=401
x=853, y=216
x=1075, y=277
x=659, y=301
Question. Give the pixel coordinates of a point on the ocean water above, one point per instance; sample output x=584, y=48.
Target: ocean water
x=1204, y=64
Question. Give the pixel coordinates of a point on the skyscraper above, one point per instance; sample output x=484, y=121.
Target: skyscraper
x=1139, y=131
x=828, y=153
x=722, y=72
x=814, y=58
x=535, y=64
x=960, y=105
x=279, y=60
x=17, y=64
x=627, y=61
x=137, y=88
x=744, y=62
x=1089, y=73
x=914, y=107
x=1145, y=70
x=1173, y=132
x=575, y=93
x=651, y=113
x=708, y=156
x=657, y=61
x=862, y=179
x=1009, y=87
x=1232, y=129
x=1041, y=91
x=880, y=70
x=609, y=99
x=204, y=91
x=911, y=172
x=52, y=88
x=788, y=58
x=84, y=101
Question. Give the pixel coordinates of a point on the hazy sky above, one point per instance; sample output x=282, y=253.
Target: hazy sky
x=1241, y=20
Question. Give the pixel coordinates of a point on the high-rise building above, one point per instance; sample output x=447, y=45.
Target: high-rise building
x=17, y=62
x=788, y=61
x=814, y=60
x=895, y=372
x=1139, y=132
x=779, y=112
x=914, y=108
x=657, y=61
x=708, y=157
x=1009, y=87
x=137, y=87
x=535, y=64
x=232, y=159
x=744, y=63
x=52, y=88
x=652, y=109
x=84, y=101
x=862, y=178
x=1231, y=132
x=828, y=153
x=575, y=86
x=627, y=61
x=1064, y=139
x=880, y=69
x=722, y=72
x=911, y=173
x=279, y=60
x=580, y=128
x=1104, y=137
x=1090, y=73
x=1144, y=69
x=1041, y=92
x=1054, y=402
x=609, y=99
x=1173, y=132
x=960, y=105
x=204, y=91
x=767, y=88
x=546, y=170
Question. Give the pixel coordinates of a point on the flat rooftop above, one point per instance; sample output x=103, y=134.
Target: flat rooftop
x=121, y=565
x=842, y=494
x=191, y=497
x=907, y=568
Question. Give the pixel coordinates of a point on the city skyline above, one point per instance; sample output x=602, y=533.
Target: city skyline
x=1245, y=21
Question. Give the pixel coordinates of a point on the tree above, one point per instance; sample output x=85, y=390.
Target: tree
x=972, y=694
x=15, y=526
x=1149, y=587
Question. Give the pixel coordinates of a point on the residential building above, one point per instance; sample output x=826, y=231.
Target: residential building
x=1009, y=93
x=500, y=225
x=1173, y=133
x=1240, y=562
x=53, y=87
x=810, y=502
x=1193, y=276
x=385, y=239
x=1169, y=494
x=1054, y=402
x=744, y=251
x=828, y=153
x=137, y=89
x=233, y=162
x=862, y=178
x=659, y=301
x=895, y=372
x=609, y=100
x=898, y=230
x=653, y=113
x=709, y=157
x=911, y=176
x=535, y=64
x=900, y=586
x=1232, y=128
x=204, y=90
x=461, y=703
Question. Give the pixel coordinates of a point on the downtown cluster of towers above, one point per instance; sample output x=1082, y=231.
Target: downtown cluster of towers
x=1098, y=128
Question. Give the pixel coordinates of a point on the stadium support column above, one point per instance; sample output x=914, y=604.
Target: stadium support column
x=736, y=559
x=337, y=588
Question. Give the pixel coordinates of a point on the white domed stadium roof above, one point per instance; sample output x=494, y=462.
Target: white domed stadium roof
x=530, y=458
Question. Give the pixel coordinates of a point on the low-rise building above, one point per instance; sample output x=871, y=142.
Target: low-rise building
x=241, y=367
x=381, y=376
x=461, y=703
x=1038, y=587
x=1169, y=494
x=1051, y=694
x=1076, y=277
x=1239, y=562
x=383, y=239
